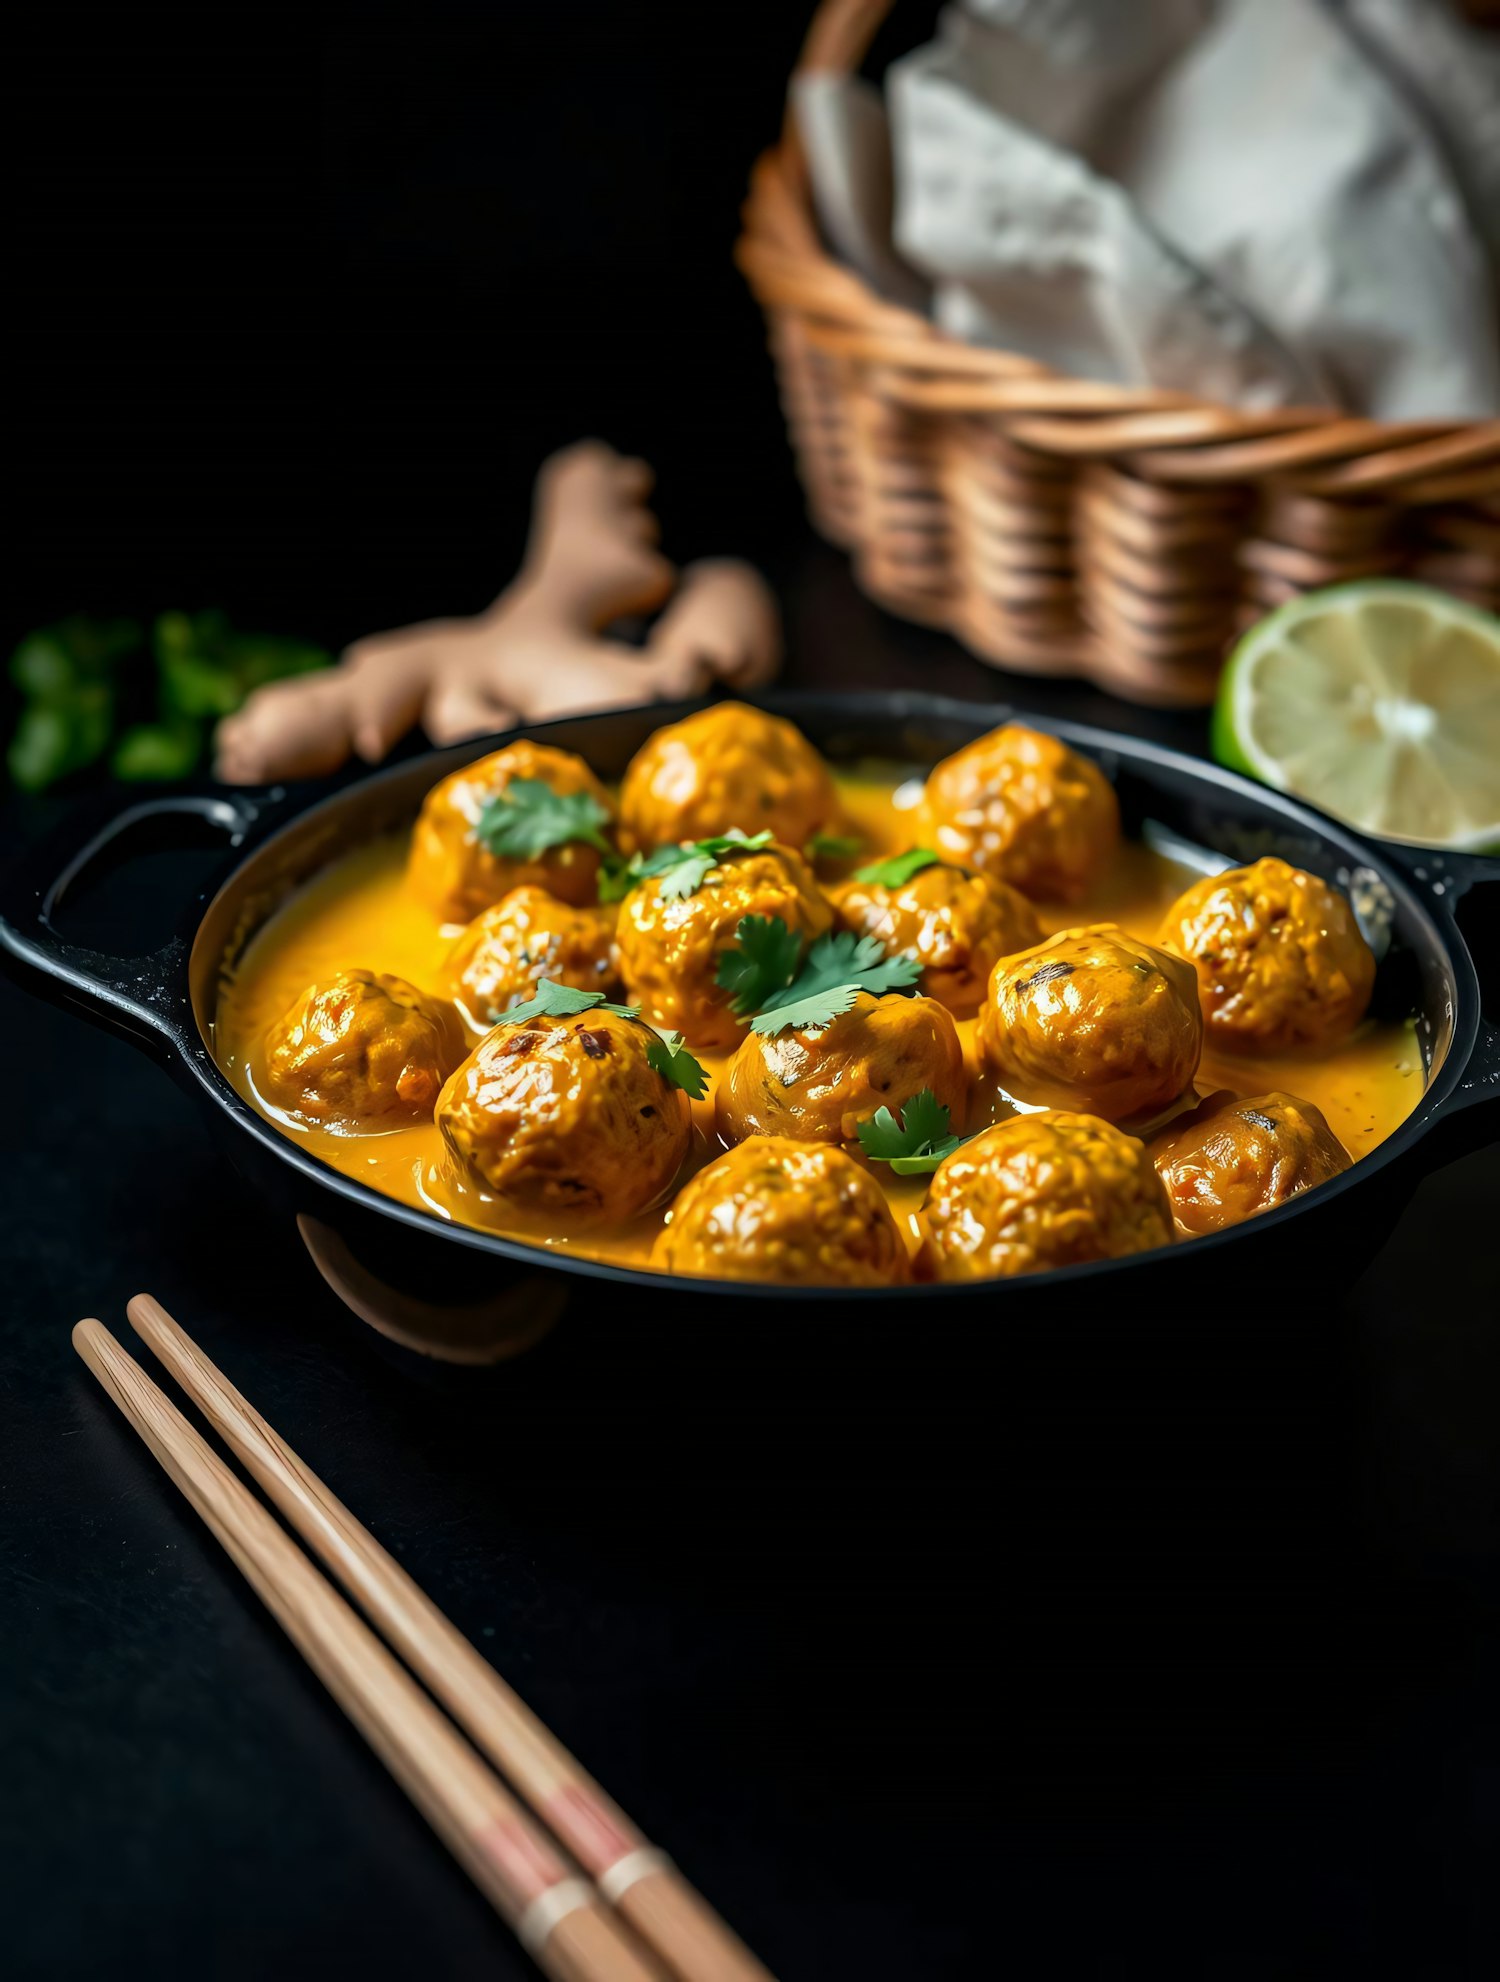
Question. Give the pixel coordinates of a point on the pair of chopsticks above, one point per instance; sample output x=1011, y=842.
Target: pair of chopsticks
x=622, y=1912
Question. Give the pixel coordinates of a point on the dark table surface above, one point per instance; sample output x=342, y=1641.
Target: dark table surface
x=896, y=1674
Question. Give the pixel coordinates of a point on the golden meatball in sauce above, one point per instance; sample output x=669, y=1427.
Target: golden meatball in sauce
x=457, y=875
x=670, y=945
x=797, y=1214
x=365, y=1050
x=955, y=923
x=1021, y=805
x=1041, y=1191
x=1234, y=1157
x=1280, y=959
x=1095, y=1020
x=564, y=1121
x=526, y=936
x=728, y=767
x=819, y=1084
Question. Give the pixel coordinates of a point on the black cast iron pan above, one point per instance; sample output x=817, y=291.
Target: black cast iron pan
x=460, y=1293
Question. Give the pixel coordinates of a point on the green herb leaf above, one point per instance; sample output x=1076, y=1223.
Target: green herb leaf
x=675, y=1063
x=914, y=1144
x=898, y=870
x=156, y=751
x=529, y=818
x=561, y=1001
x=838, y=967
x=682, y=869
x=832, y=846
x=763, y=963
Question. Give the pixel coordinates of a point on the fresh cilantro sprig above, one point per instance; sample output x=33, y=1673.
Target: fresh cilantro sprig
x=916, y=1143
x=899, y=869
x=766, y=974
x=763, y=962
x=832, y=846
x=528, y=818
x=672, y=1060
x=561, y=1001
x=681, y=869
x=669, y=1055
x=838, y=967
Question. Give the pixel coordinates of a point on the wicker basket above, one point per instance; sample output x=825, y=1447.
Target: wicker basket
x=1066, y=526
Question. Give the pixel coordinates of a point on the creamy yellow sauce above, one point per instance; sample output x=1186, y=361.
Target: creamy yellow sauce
x=360, y=914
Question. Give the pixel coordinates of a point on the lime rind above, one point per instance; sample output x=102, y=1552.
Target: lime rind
x=1377, y=701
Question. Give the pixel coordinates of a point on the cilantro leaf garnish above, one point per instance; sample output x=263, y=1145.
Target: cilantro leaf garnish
x=915, y=1144
x=529, y=818
x=837, y=968
x=681, y=869
x=764, y=963
x=898, y=870
x=672, y=1060
x=561, y=1001
x=832, y=846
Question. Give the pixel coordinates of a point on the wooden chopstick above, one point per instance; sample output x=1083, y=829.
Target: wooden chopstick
x=557, y=1915
x=648, y=1890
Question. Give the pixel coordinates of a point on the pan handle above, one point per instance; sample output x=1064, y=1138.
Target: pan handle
x=1447, y=880
x=145, y=996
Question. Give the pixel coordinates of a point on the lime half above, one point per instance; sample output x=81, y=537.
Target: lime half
x=1378, y=702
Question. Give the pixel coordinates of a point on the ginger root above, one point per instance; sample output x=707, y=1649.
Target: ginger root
x=542, y=649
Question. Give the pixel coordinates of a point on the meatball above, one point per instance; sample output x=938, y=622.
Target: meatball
x=798, y=1214
x=819, y=1084
x=1279, y=956
x=457, y=876
x=670, y=946
x=954, y=923
x=564, y=1121
x=1022, y=805
x=1092, y=1019
x=1232, y=1158
x=366, y=1049
x=728, y=766
x=1040, y=1191
x=526, y=936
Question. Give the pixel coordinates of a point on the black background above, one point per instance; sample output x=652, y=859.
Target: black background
x=917, y=1680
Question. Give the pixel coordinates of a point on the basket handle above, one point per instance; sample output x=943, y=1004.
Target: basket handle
x=839, y=35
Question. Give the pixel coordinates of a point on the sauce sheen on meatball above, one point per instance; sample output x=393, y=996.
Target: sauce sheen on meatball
x=670, y=945
x=1020, y=804
x=818, y=1084
x=797, y=1214
x=456, y=875
x=1280, y=959
x=728, y=767
x=1037, y=1192
x=955, y=923
x=1233, y=1158
x=505, y=952
x=364, y=1050
x=1092, y=1019
x=564, y=1120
